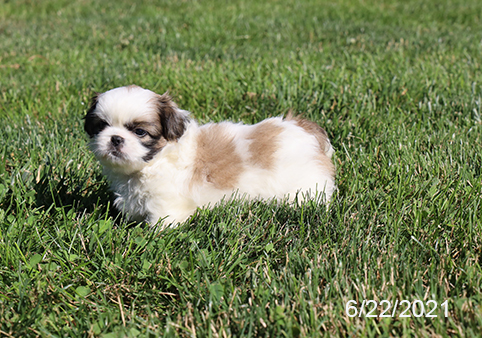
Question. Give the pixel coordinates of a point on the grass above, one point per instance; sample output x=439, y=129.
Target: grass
x=397, y=86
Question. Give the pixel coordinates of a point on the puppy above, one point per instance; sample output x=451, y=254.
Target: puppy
x=163, y=165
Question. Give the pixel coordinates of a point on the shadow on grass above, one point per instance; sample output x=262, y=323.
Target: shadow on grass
x=58, y=190
x=89, y=195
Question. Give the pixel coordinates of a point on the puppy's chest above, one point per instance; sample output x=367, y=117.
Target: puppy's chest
x=131, y=197
x=137, y=196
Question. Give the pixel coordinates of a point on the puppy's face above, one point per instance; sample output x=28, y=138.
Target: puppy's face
x=128, y=126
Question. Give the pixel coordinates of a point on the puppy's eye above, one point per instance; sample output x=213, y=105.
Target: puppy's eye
x=140, y=132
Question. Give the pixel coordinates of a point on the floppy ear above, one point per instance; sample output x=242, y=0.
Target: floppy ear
x=93, y=124
x=173, y=121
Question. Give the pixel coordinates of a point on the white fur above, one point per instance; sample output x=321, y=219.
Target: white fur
x=163, y=187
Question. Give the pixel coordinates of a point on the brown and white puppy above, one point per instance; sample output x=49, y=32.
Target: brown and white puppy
x=163, y=165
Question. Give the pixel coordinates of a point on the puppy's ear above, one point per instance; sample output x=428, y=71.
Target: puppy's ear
x=173, y=121
x=93, y=124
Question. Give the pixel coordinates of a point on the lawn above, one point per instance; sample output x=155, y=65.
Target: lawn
x=396, y=84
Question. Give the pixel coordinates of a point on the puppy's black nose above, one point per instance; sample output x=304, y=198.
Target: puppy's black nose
x=116, y=140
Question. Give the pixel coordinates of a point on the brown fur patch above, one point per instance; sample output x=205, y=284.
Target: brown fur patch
x=311, y=128
x=263, y=144
x=321, y=136
x=216, y=161
x=173, y=123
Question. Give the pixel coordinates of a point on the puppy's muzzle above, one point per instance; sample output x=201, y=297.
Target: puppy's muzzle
x=117, y=140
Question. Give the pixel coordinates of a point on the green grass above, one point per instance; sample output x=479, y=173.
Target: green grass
x=397, y=86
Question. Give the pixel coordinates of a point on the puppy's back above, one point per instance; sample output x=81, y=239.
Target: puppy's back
x=274, y=158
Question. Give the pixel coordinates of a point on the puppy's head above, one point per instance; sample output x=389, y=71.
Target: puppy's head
x=128, y=126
